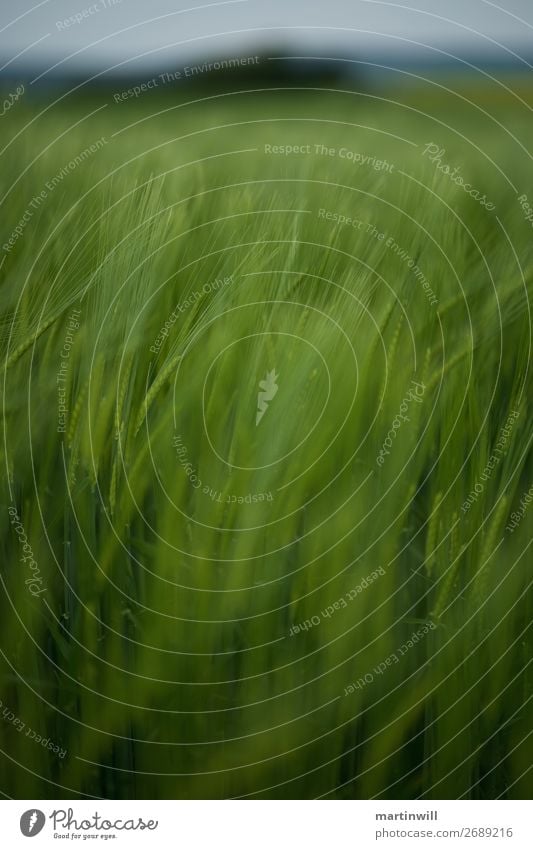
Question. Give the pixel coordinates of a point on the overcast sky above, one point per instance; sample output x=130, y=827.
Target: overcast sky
x=126, y=33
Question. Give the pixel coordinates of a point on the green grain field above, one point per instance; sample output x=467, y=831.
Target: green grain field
x=331, y=601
